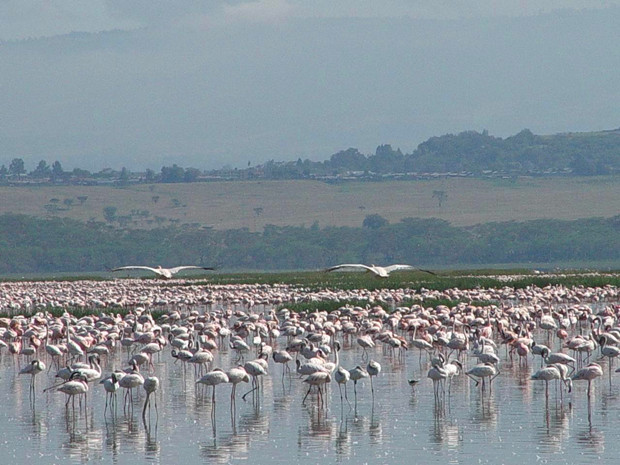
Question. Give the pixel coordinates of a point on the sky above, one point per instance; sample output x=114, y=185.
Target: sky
x=143, y=84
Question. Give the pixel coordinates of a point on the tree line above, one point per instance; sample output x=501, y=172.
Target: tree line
x=32, y=245
x=469, y=153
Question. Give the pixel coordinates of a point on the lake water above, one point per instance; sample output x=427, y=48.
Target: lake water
x=514, y=424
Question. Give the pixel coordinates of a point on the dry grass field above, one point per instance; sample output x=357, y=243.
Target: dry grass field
x=252, y=204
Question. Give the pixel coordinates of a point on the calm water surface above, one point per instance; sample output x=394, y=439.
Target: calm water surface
x=514, y=424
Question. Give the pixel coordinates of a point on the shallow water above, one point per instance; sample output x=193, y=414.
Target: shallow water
x=512, y=424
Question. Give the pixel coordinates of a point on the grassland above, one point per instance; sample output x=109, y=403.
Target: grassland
x=253, y=204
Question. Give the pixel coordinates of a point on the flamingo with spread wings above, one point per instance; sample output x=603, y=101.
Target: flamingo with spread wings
x=166, y=273
x=379, y=271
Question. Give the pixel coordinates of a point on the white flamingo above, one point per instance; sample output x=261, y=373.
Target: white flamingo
x=213, y=378
x=356, y=374
x=482, y=371
x=130, y=381
x=588, y=373
x=166, y=273
x=317, y=379
x=111, y=385
x=150, y=385
x=373, y=369
x=75, y=386
x=379, y=271
x=33, y=369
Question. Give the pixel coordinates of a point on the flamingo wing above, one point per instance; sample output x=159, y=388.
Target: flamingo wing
x=176, y=269
x=351, y=267
x=137, y=267
x=391, y=268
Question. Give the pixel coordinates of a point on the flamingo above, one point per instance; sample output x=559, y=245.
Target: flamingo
x=609, y=351
x=166, y=273
x=482, y=371
x=283, y=357
x=213, y=378
x=33, y=368
x=378, y=271
x=254, y=369
x=365, y=342
x=75, y=386
x=373, y=368
x=356, y=374
x=342, y=376
x=130, y=381
x=150, y=385
x=547, y=374
x=111, y=385
x=236, y=376
x=588, y=373
x=317, y=379
x=438, y=374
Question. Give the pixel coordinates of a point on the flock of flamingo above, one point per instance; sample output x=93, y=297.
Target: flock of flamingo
x=568, y=331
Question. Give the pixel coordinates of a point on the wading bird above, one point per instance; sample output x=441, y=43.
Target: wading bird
x=150, y=385
x=34, y=368
x=588, y=373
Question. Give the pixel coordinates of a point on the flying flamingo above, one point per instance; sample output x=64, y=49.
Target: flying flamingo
x=378, y=271
x=166, y=273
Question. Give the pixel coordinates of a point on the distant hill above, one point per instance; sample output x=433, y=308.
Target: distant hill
x=472, y=153
x=467, y=154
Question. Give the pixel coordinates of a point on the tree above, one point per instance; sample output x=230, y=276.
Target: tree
x=109, y=213
x=80, y=173
x=155, y=198
x=42, y=170
x=350, y=159
x=441, y=196
x=258, y=211
x=123, y=179
x=172, y=174
x=191, y=174
x=82, y=199
x=374, y=221
x=16, y=167
x=57, y=171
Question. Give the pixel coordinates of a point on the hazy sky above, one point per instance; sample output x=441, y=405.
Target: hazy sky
x=148, y=83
